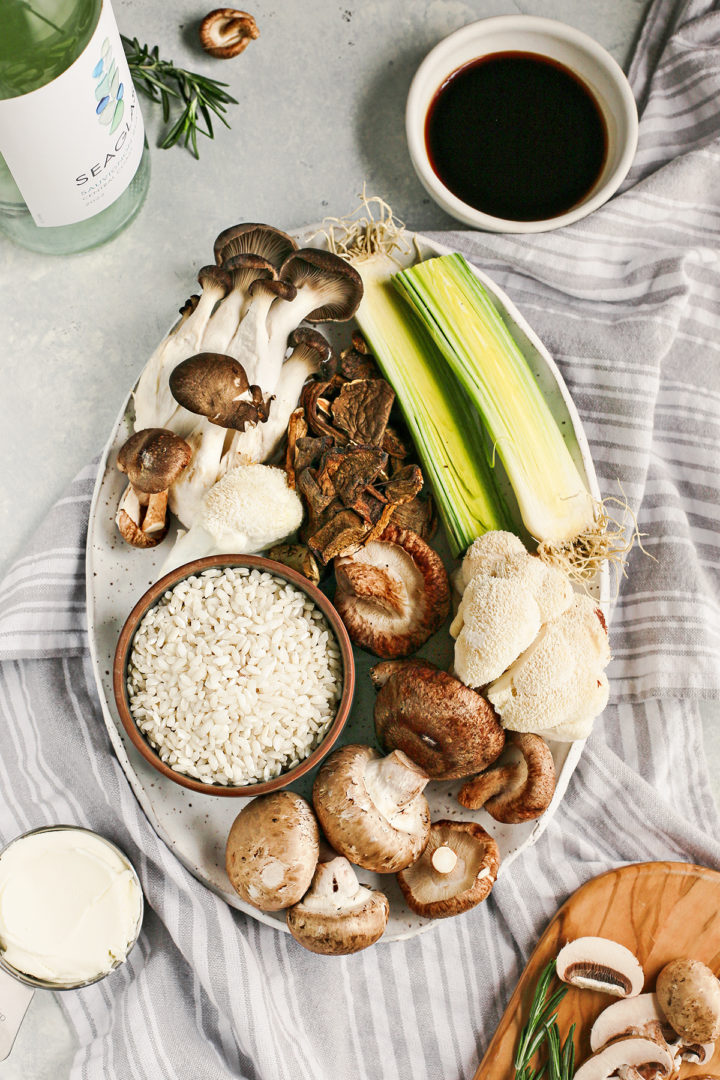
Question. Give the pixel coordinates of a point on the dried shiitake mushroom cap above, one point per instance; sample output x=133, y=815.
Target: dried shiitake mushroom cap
x=392, y=594
x=338, y=915
x=371, y=808
x=225, y=32
x=444, y=727
x=272, y=850
x=472, y=863
x=597, y=963
x=515, y=791
x=689, y=996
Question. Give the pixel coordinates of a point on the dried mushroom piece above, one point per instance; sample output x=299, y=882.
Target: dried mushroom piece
x=317, y=410
x=297, y=429
x=346, y=472
x=392, y=593
x=356, y=365
x=362, y=410
x=418, y=516
x=406, y=483
x=344, y=532
x=226, y=32
x=309, y=450
x=297, y=557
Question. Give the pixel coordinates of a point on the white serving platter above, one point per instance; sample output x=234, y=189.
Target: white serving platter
x=195, y=826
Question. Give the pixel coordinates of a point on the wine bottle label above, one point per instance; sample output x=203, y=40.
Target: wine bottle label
x=74, y=145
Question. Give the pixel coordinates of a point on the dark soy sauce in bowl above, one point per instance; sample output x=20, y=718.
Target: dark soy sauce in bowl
x=516, y=135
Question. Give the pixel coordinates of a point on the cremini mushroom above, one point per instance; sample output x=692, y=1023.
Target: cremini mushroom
x=518, y=787
x=642, y=1015
x=371, y=808
x=444, y=727
x=254, y=238
x=456, y=871
x=597, y=963
x=272, y=850
x=338, y=915
x=634, y=1052
x=392, y=593
x=153, y=460
x=226, y=32
x=689, y=995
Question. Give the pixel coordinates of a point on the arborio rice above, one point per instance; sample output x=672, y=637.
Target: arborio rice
x=234, y=676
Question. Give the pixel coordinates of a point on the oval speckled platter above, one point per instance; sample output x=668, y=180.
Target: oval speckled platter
x=195, y=826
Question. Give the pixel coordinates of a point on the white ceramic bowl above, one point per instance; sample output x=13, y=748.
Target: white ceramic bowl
x=545, y=37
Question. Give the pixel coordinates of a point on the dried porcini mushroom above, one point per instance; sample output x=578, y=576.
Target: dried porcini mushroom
x=346, y=472
x=371, y=808
x=216, y=386
x=633, y=1057
x=418, y=515
x=297, y=557
x=406, y=483
x=344, y=531
x=362, y=409
x=597, y=963
x=297, y=429
x=689, y=995
x=444, y=727
x=455, y=872
x=392, y=594
x=272, y=850
x=338, y=915
x=356, y=365
x=518, y=790
x=226, y=32
x=153, y=458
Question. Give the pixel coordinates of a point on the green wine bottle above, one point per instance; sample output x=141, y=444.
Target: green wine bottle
x=74, y=169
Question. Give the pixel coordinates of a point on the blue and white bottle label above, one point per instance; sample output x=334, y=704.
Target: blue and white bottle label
x=74, y=145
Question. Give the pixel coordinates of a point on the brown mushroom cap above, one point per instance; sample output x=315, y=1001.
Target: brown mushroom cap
x=216, y=386
x=689, y=995
x=252, y=238
x=245, y=269
x=515, y=791
x=309, y=342
x=371, y=808
x=215, y=279
x=339, y=284
x=153, y=458
x=392, y=594
x=435, y=895
x=444, y=727
x=226, y=32
x=338, y=915
x=272, y=850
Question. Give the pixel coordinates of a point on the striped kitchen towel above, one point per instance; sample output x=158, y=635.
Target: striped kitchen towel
x=629, y=303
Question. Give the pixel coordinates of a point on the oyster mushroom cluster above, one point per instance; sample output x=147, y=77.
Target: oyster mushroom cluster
x=229, y=374
x=373, y=814
x=537, y=650
x=643, y=1035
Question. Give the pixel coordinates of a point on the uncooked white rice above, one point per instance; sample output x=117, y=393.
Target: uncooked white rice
x=234, y=676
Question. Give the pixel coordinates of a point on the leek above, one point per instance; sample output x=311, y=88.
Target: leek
x=441, y=420
x=554, y=503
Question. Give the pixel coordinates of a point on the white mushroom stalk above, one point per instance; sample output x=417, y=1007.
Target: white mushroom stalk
x=154, y=404
x=223, y=323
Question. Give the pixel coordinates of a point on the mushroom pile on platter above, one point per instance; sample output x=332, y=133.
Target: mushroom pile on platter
x=643, y=1036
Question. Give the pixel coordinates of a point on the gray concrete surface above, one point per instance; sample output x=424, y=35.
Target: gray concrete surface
x=322, y=95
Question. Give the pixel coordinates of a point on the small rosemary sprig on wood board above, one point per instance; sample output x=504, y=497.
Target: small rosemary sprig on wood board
x=198, y=96
x=541, y=1034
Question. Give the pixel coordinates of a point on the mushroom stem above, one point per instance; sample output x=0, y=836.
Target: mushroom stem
x=335, y=881
x=154, y=520
x=443, y=860
x=393, y=781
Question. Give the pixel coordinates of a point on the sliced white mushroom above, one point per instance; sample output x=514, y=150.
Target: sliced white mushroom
x=639, y=1015
x=620, y=1057
x=597, y=963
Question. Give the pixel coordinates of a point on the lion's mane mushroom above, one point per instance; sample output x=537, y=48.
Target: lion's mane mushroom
x=596, y=963
x=514, y=790
x=456, y=871
x=640, y=1057
x=272, y=850
x=689, y=996
x=371, y=808
x=392, y=594
x=338, y=915
x=226, y=32
x=153, y=460
x=444, y=727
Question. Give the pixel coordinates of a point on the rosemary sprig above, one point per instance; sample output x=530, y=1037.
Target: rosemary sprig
x=198, y=96
x=541, y=1032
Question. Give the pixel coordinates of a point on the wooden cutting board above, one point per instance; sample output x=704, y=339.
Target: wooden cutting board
x=659, y=910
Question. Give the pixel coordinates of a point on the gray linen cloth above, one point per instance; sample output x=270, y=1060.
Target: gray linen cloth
x=629, y=303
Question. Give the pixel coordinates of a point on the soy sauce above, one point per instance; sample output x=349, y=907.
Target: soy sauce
x=516, y=135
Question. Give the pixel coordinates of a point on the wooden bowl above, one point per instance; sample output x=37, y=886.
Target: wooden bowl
x=154, y=594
